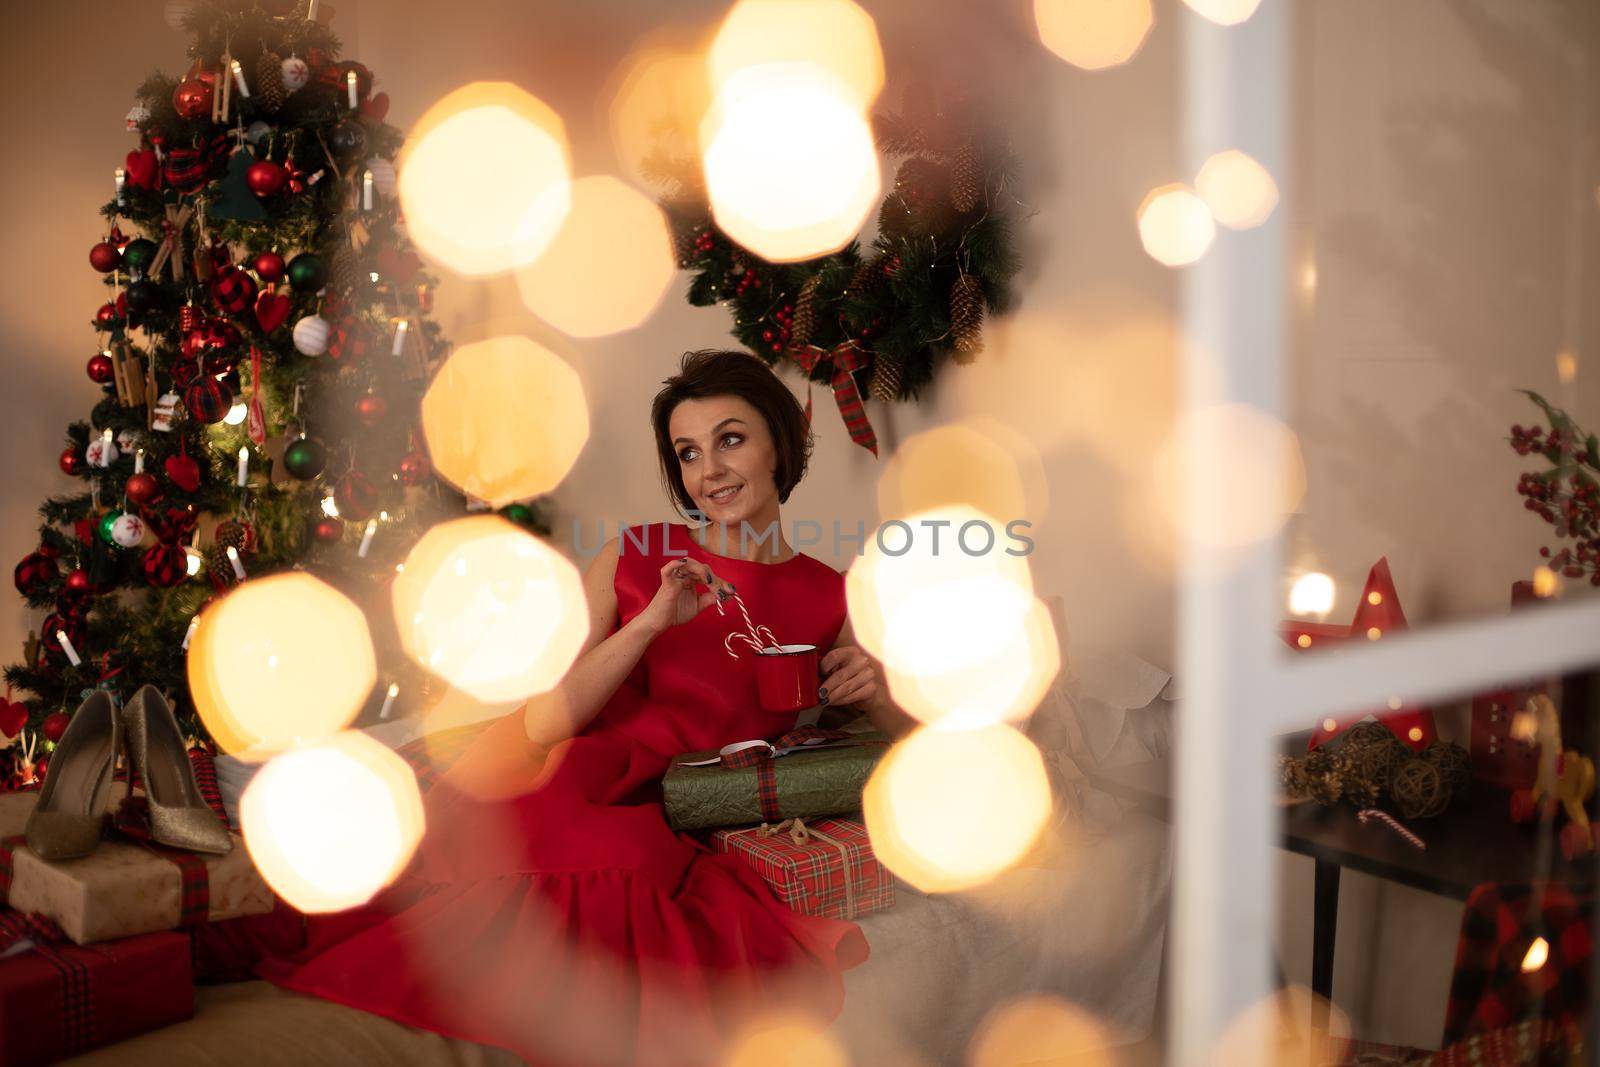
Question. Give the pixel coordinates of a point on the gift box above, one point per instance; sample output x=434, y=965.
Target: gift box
x=57, y=1000
x=125, y=887
x=769, y=783
x=823, y=868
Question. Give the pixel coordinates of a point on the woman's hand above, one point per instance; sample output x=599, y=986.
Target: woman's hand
x=849, y=676
x=676, y=602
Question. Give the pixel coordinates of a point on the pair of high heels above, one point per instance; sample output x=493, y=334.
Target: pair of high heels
x=67, y=821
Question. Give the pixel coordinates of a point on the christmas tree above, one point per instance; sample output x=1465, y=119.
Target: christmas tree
x=262, y=353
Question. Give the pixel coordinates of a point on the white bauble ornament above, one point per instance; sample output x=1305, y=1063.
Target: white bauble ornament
x=383, y=176
x=176, y=11
x=128, y=530
x=311, y=335
x=126, y=440
x=296, y=73
x=101, y=453
x=256, y=130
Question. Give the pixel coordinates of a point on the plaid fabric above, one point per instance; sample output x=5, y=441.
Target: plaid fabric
x=834, y=874
x=188, y=169
x=234, y=290
x=843, y=360
x=350, y=340
x=194, y=899
x=760, y=757
x=8, y=849
x=1489, y=990
x=767, y=791
x=16, y=926
x=205, y=773
x=1535, y=1043
x=207, y=399
x=77, y=998
x=430, y=757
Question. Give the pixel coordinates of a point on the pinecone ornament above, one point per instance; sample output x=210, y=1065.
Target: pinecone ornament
x=269, y=81
x=345, y=274
x=888, y=373
x=218, y=566
x=685, y=247
x=966, y=182
x=966, y=317
x=804, y=320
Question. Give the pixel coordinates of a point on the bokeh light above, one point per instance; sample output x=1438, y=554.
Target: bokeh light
x=1224, y=12
x=490, y=608
x=1274, y=1032
x=658, y=96
x=1238, y=189
x=485, y=178
x=504, y=419
x=1093, y=34
x=948, y=810
x=1229, y=475
x=608, y=266
x=1312, y=594
x=1537, y=956
x=1546, y=583
x=835, y=35
x=1567, y=366
x=279, y=660
x=979, y=462
x=790, y=166
x=330, y=824
x=1037, y=1029
x=789, y=1041
x=1175, y=225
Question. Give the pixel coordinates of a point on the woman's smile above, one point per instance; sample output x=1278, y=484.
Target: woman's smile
x=725, y=494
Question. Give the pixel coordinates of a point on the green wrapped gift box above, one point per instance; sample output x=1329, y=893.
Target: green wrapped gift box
x=808, y=783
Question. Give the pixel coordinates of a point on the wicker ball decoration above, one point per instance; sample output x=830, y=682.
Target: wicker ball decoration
x=1376, y=760
x=1419, y=788
x=1369, y=733
x=1453, y=763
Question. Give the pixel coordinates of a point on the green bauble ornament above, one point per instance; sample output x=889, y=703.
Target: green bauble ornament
x=520, y=514
x=306, y=273
x=304, y=458
x=140, y=253
x=108, y=520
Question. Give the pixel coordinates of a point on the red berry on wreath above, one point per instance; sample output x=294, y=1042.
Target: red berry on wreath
x=54, y=726
x=104, y=257
x=266, y=178
x=100, y=369
x=269, y=266
x=71, y=462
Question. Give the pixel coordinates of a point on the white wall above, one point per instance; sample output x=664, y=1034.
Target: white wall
x=1444, y=159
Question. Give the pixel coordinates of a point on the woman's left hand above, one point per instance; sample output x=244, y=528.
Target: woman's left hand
x=849, y=676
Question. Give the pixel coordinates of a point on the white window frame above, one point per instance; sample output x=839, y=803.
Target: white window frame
x=1241, y=687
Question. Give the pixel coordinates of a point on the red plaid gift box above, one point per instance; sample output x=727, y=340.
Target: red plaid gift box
x=59, y=999
x=824, y=867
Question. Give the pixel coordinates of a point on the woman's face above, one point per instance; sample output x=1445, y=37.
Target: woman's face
x=727, y=458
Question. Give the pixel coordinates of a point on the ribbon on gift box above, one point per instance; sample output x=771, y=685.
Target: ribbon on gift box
x=759, y=754
x=77, y=1001
x=801, y=835
x=194, y=892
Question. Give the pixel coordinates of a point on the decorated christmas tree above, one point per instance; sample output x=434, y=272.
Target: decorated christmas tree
x=261, y=353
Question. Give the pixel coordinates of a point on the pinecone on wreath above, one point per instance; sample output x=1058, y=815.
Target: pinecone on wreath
x=966, y=180
x=888, y=372
x=966, y=317
x=269, y=81
x=804, y=321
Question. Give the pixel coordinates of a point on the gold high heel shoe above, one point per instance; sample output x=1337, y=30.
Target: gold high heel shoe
x=67, y=820
x=178, y=814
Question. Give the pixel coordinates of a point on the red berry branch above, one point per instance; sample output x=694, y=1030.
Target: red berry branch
x=1566, y=494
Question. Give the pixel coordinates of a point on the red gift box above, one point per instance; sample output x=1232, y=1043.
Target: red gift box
x=823, y=868
x=59, y=999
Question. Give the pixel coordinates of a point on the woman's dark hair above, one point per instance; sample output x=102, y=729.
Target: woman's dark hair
x=711, y=372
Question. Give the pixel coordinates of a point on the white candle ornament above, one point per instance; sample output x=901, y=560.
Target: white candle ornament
x=388, y=701
x=188, y=635
x=400, y=337
x=350, y=83
x=122, y=183
x=138, y=462
x=238, y=79
x=311, y=11
x=233, y=558
x=366, y=191
x=66, y=646
x=244, y=465
x=366, y=538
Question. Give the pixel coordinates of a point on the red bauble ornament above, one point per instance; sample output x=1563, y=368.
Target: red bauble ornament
x=415, y=468
x=269, y=266
x=188, y=318
x=265, y=177
x=328, y=530
x=40, y=768
x=142, y=488
x=371, y=409
x=78, y=583
x=106, y=315
x=192, y=98
x=71, y=462
x=104, y=257
x=355, y=497
x=54, y=726
x=100, y=369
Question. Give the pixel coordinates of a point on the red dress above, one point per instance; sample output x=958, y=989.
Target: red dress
x=552, y=912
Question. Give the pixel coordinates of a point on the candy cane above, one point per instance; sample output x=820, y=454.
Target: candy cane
x=1393, y=824
x=757, y=637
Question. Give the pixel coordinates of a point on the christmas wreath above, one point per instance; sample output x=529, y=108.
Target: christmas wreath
x=880, y=317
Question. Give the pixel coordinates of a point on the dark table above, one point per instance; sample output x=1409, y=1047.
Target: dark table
x=1473, y=842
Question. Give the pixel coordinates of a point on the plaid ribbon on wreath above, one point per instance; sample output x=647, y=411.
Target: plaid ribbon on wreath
x=843, y=361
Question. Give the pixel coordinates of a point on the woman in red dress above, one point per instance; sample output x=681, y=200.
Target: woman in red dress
x=551, y=911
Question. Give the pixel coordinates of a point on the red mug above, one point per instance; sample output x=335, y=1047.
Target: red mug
x=787, y=677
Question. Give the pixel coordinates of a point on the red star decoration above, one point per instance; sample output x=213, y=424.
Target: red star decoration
x=1377, y=615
